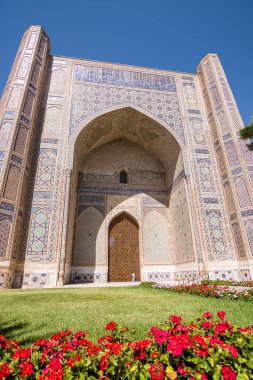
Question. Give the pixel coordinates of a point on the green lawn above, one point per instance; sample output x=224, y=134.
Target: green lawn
x=26, y=315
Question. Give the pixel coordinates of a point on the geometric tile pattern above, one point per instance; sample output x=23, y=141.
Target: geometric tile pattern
x=39, y=232
x=231, y=153
x=238, y=240
x=46, y=169
x=242, y=191
x=205, y=172
x=20, y=142
x=12, y=182
x=216, y=232
x=5, y=226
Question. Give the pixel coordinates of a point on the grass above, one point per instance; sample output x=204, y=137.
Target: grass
x=27, y=315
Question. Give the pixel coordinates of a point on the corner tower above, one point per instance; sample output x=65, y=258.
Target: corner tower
x=20, y=108
x=235, y=161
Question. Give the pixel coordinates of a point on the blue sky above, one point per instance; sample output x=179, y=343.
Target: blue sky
x=168, y=34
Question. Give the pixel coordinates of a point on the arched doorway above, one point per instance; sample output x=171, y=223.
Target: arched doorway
x=126, y=163
x=123, y=250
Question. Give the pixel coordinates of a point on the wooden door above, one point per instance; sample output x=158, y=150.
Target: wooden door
x=123, y=249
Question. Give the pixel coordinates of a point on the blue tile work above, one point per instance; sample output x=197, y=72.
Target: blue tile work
x=43, y=194
x=49, y=141
x=124, y=78
x=91, y=199
x=202, y=151
x=117, y=190
x=247, y=213
x=197, y=112
x=16, y=159
x=187, y=78
x=7, y=207
x=211, y=200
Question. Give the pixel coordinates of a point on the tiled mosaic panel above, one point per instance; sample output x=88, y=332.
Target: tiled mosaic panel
x=124, y=78
x=242, y=191
x=231, y=153
x=245, y=275
x=123, y=255
x=78, y=277
x=216, y=233
x=35, y=280
x=39, y=229
x=249, y=231
x=5, y=130
x=158, y=276
x=206, y=175
x=12, y=182
x=5, y=226
x=28, y=106
x=46, y=168
x=88, y=100
x=21, y=138
x=238, y=240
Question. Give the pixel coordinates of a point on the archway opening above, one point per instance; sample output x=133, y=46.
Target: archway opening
x=123, y=249
x=126, y=162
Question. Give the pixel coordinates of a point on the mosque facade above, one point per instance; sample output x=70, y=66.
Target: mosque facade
x=109, y=171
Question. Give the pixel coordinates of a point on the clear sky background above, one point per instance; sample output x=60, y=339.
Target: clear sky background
x=168, y=34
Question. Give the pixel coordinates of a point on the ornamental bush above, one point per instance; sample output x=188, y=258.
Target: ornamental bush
x=215, y=291
x=207, y=348
x=228, y=283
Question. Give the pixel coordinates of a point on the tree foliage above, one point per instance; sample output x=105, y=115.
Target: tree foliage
x=247, y=133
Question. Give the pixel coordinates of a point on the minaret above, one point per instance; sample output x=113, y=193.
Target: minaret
x=20, y=109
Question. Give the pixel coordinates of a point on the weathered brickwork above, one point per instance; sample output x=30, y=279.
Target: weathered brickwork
x=95, y=153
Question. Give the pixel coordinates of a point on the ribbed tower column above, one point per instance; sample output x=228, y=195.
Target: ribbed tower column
x=20, y=108
x=234, y=160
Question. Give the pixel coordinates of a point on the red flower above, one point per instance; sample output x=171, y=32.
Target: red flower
x=103, y=363
x=221, y=328
x=207, y=325
x=27, y=369
x=221, y=314
x=4, y=370
x=111, y=326
x=81, y=334
x=228, y=373
x=208, y=315
x=93, y=350
x=70, y=362
x=22, y=353
x=156, y=371
x=161, y=336
x=139, y=349
x=178, y=343
x=175, y=319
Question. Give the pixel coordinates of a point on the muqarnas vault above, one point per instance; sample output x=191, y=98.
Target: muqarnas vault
x=108, y=170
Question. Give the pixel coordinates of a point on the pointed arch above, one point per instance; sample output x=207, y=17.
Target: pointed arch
x=126, y=214
x=82, y=126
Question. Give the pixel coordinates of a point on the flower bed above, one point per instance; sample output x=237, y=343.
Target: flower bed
x=228, y=283
x=207, y=348
x=210, y=291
